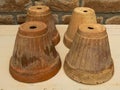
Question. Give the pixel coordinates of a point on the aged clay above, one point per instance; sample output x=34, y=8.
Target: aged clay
x=43, y=13
x=89, y=60
x=34, y=58
x=80, y=15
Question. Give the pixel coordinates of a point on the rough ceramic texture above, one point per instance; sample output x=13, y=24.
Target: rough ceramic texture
x=80, y=15
x=42, y=13
x=66, y=19
x=89, y=59
x=34, y=57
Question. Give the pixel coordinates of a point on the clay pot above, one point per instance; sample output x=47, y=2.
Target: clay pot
x=89, y=60
x=43, y=13
x=34, y=58
x=80, y=16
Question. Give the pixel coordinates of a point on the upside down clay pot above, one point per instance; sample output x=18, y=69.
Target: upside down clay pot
x=34, y=58
x=43, y=13
x=80, y=16
x=89, y=60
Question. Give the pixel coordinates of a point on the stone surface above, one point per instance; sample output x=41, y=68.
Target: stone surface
x=61, y=5
x=61, y=10
x=6, y=19
x=66, y=19
x=14, y=5
x=100, y=19
x=113, y=20
x=39, y=3
x=56, y=18
x=103, y=5
x=21, y=18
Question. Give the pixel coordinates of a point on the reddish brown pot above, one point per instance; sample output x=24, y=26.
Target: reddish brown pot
x=34, y=58
x=80, y=15
x=89, y=60
x=43, y=13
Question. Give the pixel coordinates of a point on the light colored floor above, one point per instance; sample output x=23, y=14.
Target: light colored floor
x=60, y=81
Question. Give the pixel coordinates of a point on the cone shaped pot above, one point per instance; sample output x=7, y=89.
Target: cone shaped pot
x=89, y=59
x=80, y=15
x=43, y=13
x=34, y=57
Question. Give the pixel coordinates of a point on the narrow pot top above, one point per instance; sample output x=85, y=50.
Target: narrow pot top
x=39, y=10
x=92, y=30
x=84, y=10
x=33, y=28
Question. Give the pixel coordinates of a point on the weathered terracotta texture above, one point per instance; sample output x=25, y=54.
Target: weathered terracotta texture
x=34, y=58
x=66, y=19
x=80, y=15
x=43, y=13
x=89, y=60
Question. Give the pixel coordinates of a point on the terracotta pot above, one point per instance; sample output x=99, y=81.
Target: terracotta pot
x=80, y=15
x=89, y=60
x=34, y=58
x=43, y=13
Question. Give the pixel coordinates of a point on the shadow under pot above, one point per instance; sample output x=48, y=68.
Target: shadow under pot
x=34, y=58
